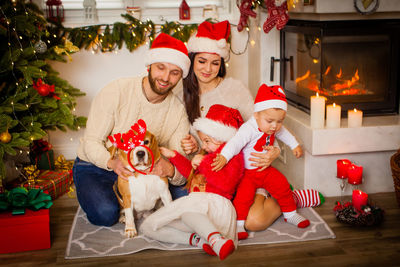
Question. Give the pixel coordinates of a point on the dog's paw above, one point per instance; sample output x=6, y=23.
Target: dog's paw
x=130, y=232
x=122, y=218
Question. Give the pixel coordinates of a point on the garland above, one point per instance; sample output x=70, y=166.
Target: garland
x=134, y=33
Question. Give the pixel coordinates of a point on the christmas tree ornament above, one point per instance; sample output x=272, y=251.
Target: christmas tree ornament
x=246, y=10
x=40, y=47
x=5, y=137
x=184, y=11
x=69, y=47
x=44, y=89
x=277, y=16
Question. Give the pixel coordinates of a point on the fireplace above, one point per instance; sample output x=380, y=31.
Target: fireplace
x=351, y=63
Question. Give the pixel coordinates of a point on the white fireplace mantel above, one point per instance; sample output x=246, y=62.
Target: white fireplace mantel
x=370, y=146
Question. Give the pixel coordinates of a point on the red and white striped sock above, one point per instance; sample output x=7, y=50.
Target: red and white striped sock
x=308, y=198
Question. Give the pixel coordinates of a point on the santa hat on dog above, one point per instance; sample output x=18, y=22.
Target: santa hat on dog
x=221, y=122
x=166, y=48
x=211, y=38
x=270, y=97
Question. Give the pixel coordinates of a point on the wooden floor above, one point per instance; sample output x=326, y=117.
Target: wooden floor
x=374, y=246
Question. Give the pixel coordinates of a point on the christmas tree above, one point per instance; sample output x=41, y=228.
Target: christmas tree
x=33, y=98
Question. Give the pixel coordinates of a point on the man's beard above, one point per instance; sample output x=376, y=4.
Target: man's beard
x=154, y=87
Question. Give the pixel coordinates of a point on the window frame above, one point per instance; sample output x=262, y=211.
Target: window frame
x=109, y=11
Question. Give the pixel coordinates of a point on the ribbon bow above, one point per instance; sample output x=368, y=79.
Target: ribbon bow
x=19, y=198
x=133, y=138
x=62, y=164
x=69, y=47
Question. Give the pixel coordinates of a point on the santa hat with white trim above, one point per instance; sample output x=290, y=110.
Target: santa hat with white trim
x=270, y=97
x=166, y=48
x=221, y=122
x=211, y=38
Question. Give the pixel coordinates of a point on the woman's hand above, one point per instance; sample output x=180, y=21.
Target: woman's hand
x=168, y=153
x=264, y=160
x=197, y=160
x=118, y=167
x=218, y=163
x=189, y=144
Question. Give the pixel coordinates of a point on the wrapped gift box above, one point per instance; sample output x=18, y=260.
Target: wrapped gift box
x=30, y=231
x=45, y=161
x=54, y=183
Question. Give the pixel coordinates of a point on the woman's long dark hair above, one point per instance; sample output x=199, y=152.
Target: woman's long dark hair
x=191, y=91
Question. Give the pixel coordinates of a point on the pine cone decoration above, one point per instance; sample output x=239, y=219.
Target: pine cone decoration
x=369, y=216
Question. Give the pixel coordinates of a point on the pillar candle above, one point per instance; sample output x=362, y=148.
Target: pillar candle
x=354, y=118
x=317, y=111
x=354, y=174
x=359, y=199
x=333, y=113
x=342, y=166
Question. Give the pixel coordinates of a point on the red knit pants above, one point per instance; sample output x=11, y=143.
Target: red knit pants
x=272, y=180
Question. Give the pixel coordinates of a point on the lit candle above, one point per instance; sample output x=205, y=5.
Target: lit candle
x=317, y=111
x=354, y=174
x=333, y=113
x=342, y=166
x=359, y=199
x=354, y=118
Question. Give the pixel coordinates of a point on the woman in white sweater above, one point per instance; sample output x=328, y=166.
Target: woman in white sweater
x=205, y=86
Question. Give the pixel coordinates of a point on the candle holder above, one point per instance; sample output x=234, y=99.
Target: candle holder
x=342, y=167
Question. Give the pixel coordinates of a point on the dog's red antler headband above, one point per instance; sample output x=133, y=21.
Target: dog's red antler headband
x=133, y=138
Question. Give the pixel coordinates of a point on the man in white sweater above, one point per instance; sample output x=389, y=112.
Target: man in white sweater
x=114, y=110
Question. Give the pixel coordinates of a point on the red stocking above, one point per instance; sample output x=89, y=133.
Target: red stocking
x=245, y=12
x=276, y=16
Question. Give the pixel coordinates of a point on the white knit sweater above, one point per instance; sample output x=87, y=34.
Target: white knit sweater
x=118, y=106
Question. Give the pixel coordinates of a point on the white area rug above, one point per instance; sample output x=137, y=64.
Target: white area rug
x=87, y=240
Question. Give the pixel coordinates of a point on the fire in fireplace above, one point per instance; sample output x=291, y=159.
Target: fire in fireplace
x=352, y=63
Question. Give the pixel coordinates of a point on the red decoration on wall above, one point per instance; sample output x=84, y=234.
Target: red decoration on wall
x=54, y=10
x=245, y=11
x=184, y=11
x=277, y=15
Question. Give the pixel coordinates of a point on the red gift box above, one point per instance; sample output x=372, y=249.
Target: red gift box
x=30, y=231
x=54, y=183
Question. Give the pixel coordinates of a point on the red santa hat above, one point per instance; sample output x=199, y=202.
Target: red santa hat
x=270, y=97
x=166, y=48
x=221, y=122
x=211, y=38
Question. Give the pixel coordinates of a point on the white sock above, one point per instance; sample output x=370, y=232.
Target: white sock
x=296, y=219
x=197, y=241
x=222, y=247
x=262, y=191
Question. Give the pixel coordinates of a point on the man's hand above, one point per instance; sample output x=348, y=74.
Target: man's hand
x=264, y=160
x=297, y=151
x=163, y=168
x=189, y=144
x=197, y=160
x=218, y=163
x=168, y=153
x=119, y=168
